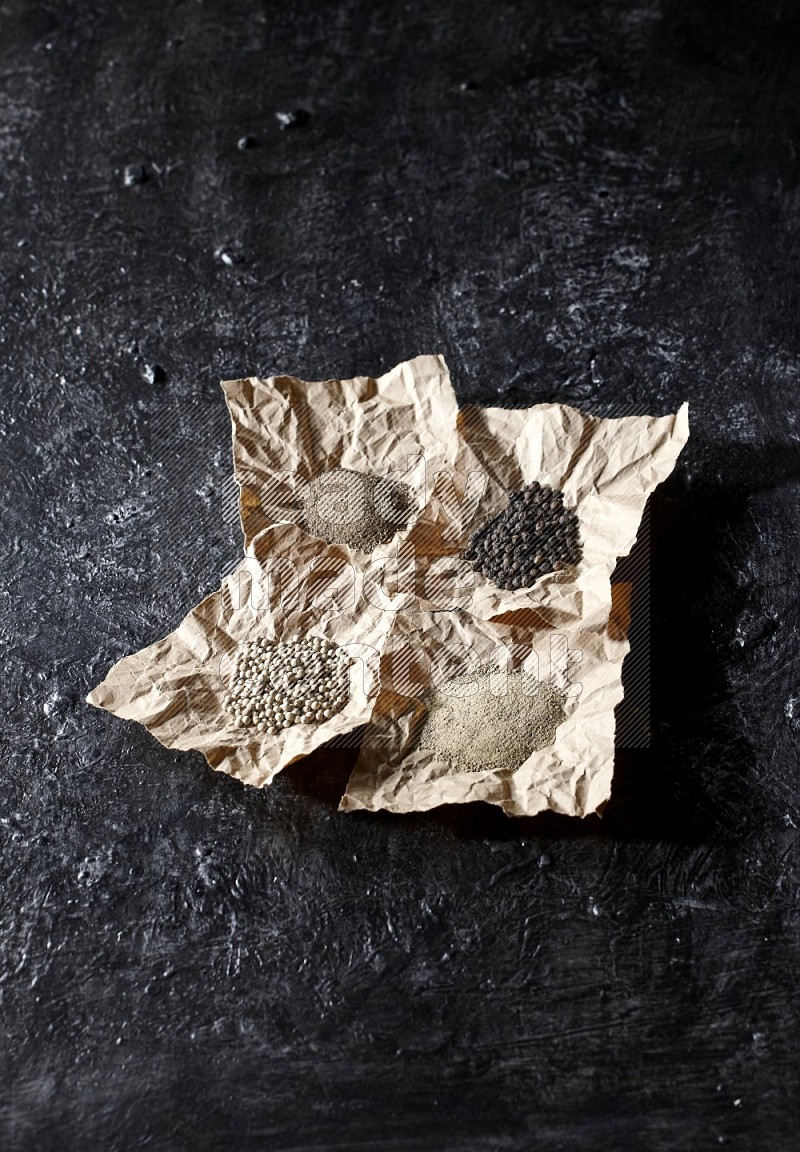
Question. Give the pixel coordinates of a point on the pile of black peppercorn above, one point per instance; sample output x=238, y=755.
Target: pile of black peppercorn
x=534, y=535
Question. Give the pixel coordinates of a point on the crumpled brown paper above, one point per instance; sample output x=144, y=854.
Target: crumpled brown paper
x=417, y=588
x=572, y=776
x=291, y=586
x=288, y=431
x=606, y=469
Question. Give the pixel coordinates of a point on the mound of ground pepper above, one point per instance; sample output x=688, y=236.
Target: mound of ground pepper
x=481, y=721
x=347, y=507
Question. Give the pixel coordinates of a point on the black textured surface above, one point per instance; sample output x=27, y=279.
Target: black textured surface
x=593, y=201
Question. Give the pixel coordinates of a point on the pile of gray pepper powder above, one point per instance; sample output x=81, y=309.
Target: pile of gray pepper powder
x=356, y=509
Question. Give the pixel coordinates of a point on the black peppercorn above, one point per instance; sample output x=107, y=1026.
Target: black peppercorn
x=536, y=534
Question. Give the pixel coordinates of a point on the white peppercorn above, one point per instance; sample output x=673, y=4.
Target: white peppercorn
x=273, y=687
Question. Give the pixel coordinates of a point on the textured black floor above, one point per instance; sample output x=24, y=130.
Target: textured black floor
x=591, y=201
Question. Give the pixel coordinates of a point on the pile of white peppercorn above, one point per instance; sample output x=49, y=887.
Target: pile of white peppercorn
x=534, y=535
x=274, y=686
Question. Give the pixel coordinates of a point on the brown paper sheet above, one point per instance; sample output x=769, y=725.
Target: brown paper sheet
x=290, y=587
x=606, y=469
x=571, y=777
x=288, y=431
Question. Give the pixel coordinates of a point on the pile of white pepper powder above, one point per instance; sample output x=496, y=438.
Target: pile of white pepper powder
x=274, y=686
x=352, y=508
x=484, y=720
